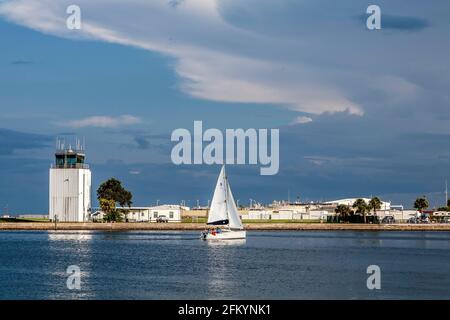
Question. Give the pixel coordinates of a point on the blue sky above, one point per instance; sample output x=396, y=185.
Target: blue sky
x=360, y=112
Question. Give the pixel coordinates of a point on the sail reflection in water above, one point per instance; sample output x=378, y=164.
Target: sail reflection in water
x=70, y=235
x=222, y=265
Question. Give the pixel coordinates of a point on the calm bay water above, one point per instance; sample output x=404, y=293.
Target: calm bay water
x=271, y=265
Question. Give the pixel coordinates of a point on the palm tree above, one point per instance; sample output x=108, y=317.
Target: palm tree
x=343, y=211
x=361, y=207
x=421, y=203
x=375, y=204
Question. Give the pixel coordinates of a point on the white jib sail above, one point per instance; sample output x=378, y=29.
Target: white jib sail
x=218, y=209
x=233, y=214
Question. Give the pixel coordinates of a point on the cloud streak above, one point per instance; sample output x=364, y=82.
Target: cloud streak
x=214, y=60
x=404, y=23
x=12, y=141
x=104, y=122
x=301, y=120
x=399, y=23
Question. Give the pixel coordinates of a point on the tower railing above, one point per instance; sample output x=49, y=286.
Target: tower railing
x=70, y=166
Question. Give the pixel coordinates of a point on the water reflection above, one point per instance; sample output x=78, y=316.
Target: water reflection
x=70, y=248
x=221, y=266
x=70, y=235
x=178, y=265
x=222, y=243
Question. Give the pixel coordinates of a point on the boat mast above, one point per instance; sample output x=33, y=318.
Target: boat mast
x=446, y=193
x=225, y=181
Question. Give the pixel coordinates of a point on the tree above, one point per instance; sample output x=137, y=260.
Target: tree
x=111, y=192
x=448, y=203
x=375, y=204
x=421, y=203
x=114, y=216
x=361, y=207
x=344, y=211
x=109, y=208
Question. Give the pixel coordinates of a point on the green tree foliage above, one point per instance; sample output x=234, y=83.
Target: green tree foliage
x=109, y=208
x=361, y=207
x=111, y=192
x=375, y=204
x=114, y=216
x=343, y=211
x=107, y=205
x=421, y=203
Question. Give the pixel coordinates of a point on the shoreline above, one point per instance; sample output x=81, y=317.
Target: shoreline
x=201, y=226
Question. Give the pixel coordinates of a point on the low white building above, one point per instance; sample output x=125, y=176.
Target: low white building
x=286, y=213
x=148, y=214
x=138, y=214
x=385, y=206
x=170, y=211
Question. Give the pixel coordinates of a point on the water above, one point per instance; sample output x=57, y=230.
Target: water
x=268, y=265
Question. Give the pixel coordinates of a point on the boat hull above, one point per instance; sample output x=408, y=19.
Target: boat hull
x=225, y=235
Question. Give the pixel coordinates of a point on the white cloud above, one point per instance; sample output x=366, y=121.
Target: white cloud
x=214, y=60
x=301, y=120
x=104, y=121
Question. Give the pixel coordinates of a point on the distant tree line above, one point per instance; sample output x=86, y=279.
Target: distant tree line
x=358, y=211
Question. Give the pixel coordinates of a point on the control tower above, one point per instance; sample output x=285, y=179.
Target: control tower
x=70, y=184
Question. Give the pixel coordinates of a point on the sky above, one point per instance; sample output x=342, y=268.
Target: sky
x=360, y=112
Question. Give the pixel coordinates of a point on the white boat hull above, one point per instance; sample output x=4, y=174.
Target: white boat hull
x=225, y=235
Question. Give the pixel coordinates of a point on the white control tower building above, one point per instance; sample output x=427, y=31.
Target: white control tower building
x=70, y=185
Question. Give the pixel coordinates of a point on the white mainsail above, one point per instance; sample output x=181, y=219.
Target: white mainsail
x=218, y=210
x=223, y=208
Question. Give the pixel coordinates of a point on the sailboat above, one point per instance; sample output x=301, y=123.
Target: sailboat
x=223, y=212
